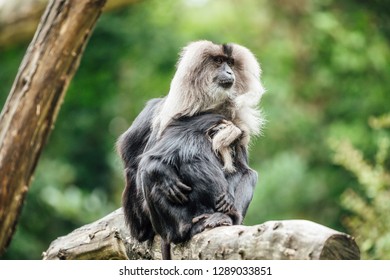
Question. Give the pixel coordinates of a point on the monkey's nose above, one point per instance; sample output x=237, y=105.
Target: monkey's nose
x=229, y=71
x=226, y=79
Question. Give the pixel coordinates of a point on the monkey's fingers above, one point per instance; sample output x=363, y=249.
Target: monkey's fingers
x=179, y=191
x=224, y=203
x=201, y=217
x=176, y=196
x=214, y=130
x=183, y=187
x=221, y=200
x=221, y=205
x=226, y=122
x=224, y=208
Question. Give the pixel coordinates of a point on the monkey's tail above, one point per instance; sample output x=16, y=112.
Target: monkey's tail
x=165, y=250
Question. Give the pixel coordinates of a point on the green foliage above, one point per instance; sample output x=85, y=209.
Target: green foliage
x=325, y=67
x=368, y=200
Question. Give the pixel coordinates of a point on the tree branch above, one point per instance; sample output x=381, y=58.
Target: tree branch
x=109, y=238
x=19, y=18
x=35, y=99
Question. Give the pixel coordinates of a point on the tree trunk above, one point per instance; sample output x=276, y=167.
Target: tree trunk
x=35, y=99
x=19, y=18
x=109, y=238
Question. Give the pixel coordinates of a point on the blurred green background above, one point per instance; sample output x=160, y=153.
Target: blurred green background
x=323, y=155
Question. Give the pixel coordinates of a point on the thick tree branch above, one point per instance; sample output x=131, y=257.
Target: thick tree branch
x=109, y=238
x=19, y=18
x=35, y=99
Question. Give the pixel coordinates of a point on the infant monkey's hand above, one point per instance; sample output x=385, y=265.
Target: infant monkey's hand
x=222, y=136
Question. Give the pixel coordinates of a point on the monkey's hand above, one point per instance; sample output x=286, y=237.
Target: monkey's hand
x=224, y=203
x=224, y=134
x=175, y=191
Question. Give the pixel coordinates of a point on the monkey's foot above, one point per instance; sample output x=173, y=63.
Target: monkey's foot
x=217, y=219
x=199, y=218
x=204, y=221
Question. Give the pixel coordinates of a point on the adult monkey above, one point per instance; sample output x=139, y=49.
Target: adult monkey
x=222, y=79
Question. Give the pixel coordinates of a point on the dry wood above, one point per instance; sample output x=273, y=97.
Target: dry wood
x=35, y=98
x=109, y=238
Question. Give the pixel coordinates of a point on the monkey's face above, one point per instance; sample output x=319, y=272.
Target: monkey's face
x=209, y=75
x=217, y=70
x=224, y=75
x=227, y=70
x=221, y=79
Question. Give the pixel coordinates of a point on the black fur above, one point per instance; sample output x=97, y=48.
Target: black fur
x=175, y=186
x=184, y=155
x=131, y=145
x=227, y=49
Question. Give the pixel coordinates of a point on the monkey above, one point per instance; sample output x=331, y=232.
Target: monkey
x=183, y=179
x=211, y=79
x=184, y=183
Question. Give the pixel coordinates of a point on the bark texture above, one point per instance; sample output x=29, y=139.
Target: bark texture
x=109, y=238
x=35, y=99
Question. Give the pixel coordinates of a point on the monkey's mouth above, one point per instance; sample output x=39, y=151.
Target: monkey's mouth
x=226, y=83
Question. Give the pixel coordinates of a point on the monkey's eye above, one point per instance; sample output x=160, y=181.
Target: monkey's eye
x=218, y=59
x=230, y=62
